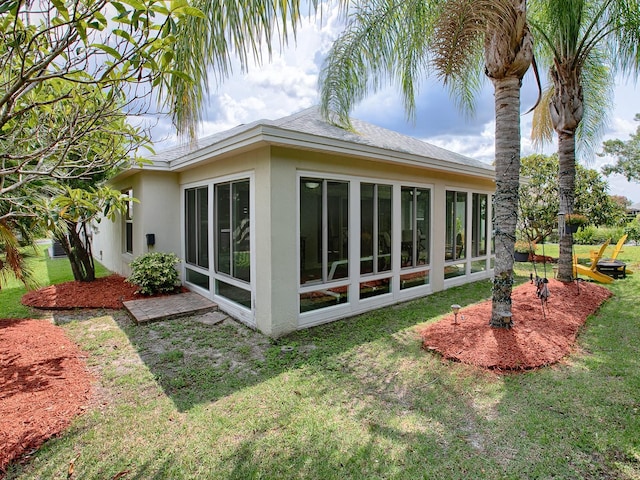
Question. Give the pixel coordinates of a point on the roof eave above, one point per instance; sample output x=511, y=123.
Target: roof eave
x=273, y=135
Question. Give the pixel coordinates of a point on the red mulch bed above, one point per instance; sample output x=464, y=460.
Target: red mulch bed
x=45, y=383
x=536, y=338
x=104, y=292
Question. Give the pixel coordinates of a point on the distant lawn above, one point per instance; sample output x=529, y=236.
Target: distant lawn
x=355, y=399
x=48, y=271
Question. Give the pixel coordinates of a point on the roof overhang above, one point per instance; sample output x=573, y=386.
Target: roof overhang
x=269, y=135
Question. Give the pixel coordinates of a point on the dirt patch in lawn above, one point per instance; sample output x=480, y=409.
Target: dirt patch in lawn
x=542, y=333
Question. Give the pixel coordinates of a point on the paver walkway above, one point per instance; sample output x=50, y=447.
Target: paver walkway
x=171, y=306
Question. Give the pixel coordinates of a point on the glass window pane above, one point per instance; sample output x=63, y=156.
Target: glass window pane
x=455, y=228
x=416, y=279
x=235, y=294
x=375, y=288
x=197, y=278
x=479, y=227
x=223, y=228
x=190, y=226
x=415, y=212
x=323, y=298
x=310, y=230
x=461, y=224
x=337, y=230
x=423, y=222
x=203, y=227
x=478, y=266
x=384, y=228
x=367, y=233
x=406, y=213
x=451, y=271
x=241, y=228
x=129, y=237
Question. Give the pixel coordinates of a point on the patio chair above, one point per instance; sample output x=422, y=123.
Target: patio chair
x=614, y=259
x=592, y=270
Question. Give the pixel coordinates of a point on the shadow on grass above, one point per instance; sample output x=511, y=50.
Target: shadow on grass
x=197, y=363
x=339, y=408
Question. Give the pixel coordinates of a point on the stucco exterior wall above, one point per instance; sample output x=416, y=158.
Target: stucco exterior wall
x=158, y=212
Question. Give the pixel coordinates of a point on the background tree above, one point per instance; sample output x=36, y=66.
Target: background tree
x=538, y=196
x=627, y=156
x=70, y=216
x=539, y=200
x=57, y=56
x=398, y=41
x=69, y=77
x=583, y=44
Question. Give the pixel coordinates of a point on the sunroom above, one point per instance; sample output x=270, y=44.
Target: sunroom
x=296, y=222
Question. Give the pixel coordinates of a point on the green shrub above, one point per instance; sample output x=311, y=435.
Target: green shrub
x=633, y=230
x=591, y=235
x=586, y=235
x=155, y=272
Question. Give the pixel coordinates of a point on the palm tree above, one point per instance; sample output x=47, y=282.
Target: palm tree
x=207, y=42
x=584, y=43
x=398, y=41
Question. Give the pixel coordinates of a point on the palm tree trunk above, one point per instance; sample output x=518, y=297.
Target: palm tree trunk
x=566, y=111
x=507, y=151
x=566, y=187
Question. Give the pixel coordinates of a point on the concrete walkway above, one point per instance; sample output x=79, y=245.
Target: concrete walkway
x=171, y=306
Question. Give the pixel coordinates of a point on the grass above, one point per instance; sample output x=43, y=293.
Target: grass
x=48, y=271
x=355, y=399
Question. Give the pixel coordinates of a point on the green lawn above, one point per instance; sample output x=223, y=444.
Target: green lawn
x=355, y=399
x=48, y=271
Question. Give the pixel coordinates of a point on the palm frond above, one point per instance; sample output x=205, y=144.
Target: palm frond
x=385, y=42
x=541, y=125
x=597, y=87
x=243, y=28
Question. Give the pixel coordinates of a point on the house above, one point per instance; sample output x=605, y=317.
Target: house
x=295, y=222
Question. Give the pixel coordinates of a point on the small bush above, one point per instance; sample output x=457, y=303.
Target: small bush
x=633, y=230
x=591, y=235
x=155, y=272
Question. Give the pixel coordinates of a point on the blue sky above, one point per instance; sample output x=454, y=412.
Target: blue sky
x=288, y=83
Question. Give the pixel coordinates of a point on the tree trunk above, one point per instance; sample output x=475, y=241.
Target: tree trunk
x=566, y=111
x=506, y=62
x=507, y=104
x=566, y=188
x=78, y=251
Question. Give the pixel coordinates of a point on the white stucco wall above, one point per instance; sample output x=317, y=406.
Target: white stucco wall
x=158, y=212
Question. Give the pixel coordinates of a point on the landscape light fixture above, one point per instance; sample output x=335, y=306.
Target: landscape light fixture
x=455, y=308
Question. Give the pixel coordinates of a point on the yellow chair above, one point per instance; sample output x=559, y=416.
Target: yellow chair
x=617, y=249
x=614, y=255
x=592, y=270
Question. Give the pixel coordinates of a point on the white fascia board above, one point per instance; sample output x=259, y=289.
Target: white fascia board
x=312, y=142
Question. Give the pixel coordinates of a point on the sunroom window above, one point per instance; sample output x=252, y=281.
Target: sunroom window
x=233, y=253
x=375, y=228
x=415, y=211
x=480, y=206
x=324, y=230
x=456, y=211
x=197, y=226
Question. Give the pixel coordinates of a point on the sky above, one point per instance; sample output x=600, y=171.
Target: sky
x=289, y=83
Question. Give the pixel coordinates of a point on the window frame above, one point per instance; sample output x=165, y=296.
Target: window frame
x=128, y=222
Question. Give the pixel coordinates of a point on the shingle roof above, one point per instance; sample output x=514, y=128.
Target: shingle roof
x=309, y=123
